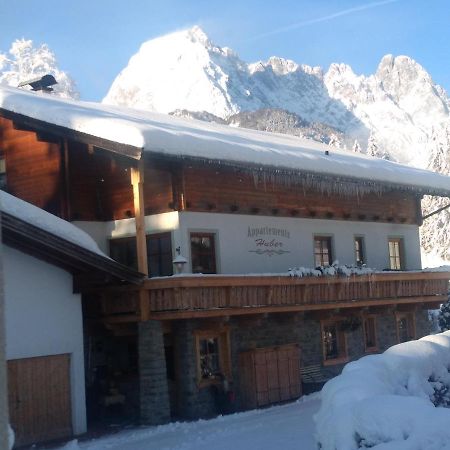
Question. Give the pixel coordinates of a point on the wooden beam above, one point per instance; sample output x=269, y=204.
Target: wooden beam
x=42, y=136
x=178, y=187
x=144, y=305
x=232, y=280
x=137, y=181
x=122, y=318
x=392, y=302
x=65, y=180
x=435, y=305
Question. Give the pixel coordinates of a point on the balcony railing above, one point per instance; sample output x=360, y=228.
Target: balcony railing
x=206, y=295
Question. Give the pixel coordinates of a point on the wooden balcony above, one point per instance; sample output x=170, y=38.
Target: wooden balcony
x=181, y=297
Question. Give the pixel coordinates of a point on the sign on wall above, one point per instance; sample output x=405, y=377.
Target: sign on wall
x=268, y=241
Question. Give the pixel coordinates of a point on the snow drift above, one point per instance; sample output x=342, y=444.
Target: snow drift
x=395, y=400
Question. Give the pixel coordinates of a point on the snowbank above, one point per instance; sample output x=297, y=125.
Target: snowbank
x=387, y=401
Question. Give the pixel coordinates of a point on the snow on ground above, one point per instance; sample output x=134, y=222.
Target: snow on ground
x=388, y=401
x=286, y=427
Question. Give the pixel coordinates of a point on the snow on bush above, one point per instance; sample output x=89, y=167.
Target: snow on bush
x=391, y=401
x=333, y=270
x=444, y=316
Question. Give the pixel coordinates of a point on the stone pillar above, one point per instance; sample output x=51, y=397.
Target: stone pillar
x=154, y=392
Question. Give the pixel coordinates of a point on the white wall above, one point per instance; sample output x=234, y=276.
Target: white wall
x=44, y=317
x=235, y=248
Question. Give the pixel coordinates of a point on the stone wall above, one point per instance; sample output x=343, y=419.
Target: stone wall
x=246, y=333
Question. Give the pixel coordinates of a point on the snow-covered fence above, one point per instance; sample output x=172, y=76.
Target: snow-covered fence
x=390, y=401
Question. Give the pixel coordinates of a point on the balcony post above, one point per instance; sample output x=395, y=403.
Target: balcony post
x=137, y=181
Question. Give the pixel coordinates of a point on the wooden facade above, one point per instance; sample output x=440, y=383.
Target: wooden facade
x=78, y=181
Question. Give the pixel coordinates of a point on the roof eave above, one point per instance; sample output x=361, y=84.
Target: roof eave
x=60, y=252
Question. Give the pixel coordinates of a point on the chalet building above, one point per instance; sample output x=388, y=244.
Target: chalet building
x=227, y=327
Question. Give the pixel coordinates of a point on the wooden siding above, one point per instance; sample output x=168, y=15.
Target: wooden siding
x=224, y=190
x=75, y=181
x=202, y=296
x=39, y=398
x=32, y=167
x=82, y=182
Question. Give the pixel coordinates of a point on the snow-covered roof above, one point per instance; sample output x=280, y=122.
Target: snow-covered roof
x=48, y=222
x=171, y=136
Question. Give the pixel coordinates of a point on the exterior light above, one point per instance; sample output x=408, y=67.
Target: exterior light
x=179, y=261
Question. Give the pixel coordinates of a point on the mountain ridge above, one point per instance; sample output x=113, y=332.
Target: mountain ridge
x=397, y=112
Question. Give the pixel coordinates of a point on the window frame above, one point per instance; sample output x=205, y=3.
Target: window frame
x=362, y=243
x=206, y=233
x=132, y=239
x=342, y=356
x=401, y=254
x=374, y=348
x=411, y=325
x=222, y=334
x=323, y=238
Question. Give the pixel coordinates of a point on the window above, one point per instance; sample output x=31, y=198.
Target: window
x=124, y=251
x=334, y=342
x=406, y=330
x=359, y=251
x=370, y=334
x=159, y=253
x=396, y=253
x=209, y=357
x=322, y=251
x=203, y=253
x=213, y=355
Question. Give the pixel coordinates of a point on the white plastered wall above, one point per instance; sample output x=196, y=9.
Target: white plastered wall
x=236, y=250
x=44, y=317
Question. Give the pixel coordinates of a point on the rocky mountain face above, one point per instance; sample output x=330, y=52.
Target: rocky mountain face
x=397, y=113
x=24, y=62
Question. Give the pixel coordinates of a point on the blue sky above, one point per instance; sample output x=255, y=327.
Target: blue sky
x=93, y=40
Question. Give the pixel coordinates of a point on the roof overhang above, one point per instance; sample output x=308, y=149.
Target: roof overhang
x=68, y=133
x=62, y=253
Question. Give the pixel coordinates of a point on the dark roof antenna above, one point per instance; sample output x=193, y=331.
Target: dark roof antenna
x=40, y=83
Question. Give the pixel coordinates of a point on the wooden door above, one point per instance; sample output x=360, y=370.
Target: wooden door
x=39, y=398
x=270, y=375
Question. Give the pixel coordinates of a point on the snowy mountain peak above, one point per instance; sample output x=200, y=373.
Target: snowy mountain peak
x=398, y=106
x=281, y=66
x=196, y=34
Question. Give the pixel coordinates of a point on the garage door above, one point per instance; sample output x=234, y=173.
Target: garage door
x=39, y=398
